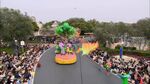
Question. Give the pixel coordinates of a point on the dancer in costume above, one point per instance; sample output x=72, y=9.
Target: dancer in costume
x=69, y=48
x=61, y=45
x=58, y=49
x=124, y=78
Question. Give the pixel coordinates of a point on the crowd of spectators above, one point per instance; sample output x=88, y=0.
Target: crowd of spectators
x=20, y=69
x=138, y=70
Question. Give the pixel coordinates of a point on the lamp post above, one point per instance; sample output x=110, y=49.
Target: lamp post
x=16, y=48
x=22, y=43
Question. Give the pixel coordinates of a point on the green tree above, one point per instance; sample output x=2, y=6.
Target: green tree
x=14, y=25
x=143, y=27
x=48, y=25
x=79, y=23
x=35, y=26
x=92, y=25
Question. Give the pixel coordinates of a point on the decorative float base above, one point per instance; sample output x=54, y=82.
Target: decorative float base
x=65, y=59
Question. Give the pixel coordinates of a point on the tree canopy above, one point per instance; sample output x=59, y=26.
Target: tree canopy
x=15, y=25
x=48, y=25
x=107, y=30
x=143, y=26
x=35, y=26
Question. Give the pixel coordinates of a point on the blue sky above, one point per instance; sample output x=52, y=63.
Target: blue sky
x=101, y=10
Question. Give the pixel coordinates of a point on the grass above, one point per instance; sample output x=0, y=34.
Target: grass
x=128, y=52
x=9, y=50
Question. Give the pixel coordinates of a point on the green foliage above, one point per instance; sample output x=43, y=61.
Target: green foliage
x=65, y=30
x=14, y=25
x=137, y=53
x=106, y=31
x=35, y=26
x=6, y=49
x=80, y=23
x=49, y=24
x=143, y=26
x=125, y=48
x=128, y=52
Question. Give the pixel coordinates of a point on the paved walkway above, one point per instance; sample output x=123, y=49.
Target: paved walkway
x=84, y=71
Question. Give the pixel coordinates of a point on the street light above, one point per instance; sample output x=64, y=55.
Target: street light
x=22, y=43
x=16, y=48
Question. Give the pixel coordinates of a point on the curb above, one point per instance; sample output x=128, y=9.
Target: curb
x=32, y=80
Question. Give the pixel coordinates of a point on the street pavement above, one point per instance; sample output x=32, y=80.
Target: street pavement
x=85, y=71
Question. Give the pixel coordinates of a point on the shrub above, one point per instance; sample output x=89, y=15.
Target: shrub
x=128, y=51
x=6, y=49
x=125, y=48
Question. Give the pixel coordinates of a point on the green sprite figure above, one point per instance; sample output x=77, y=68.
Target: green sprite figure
x=124, y=78
x=58, y=50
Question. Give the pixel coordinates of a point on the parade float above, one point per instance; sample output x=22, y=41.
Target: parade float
x=65, y=53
